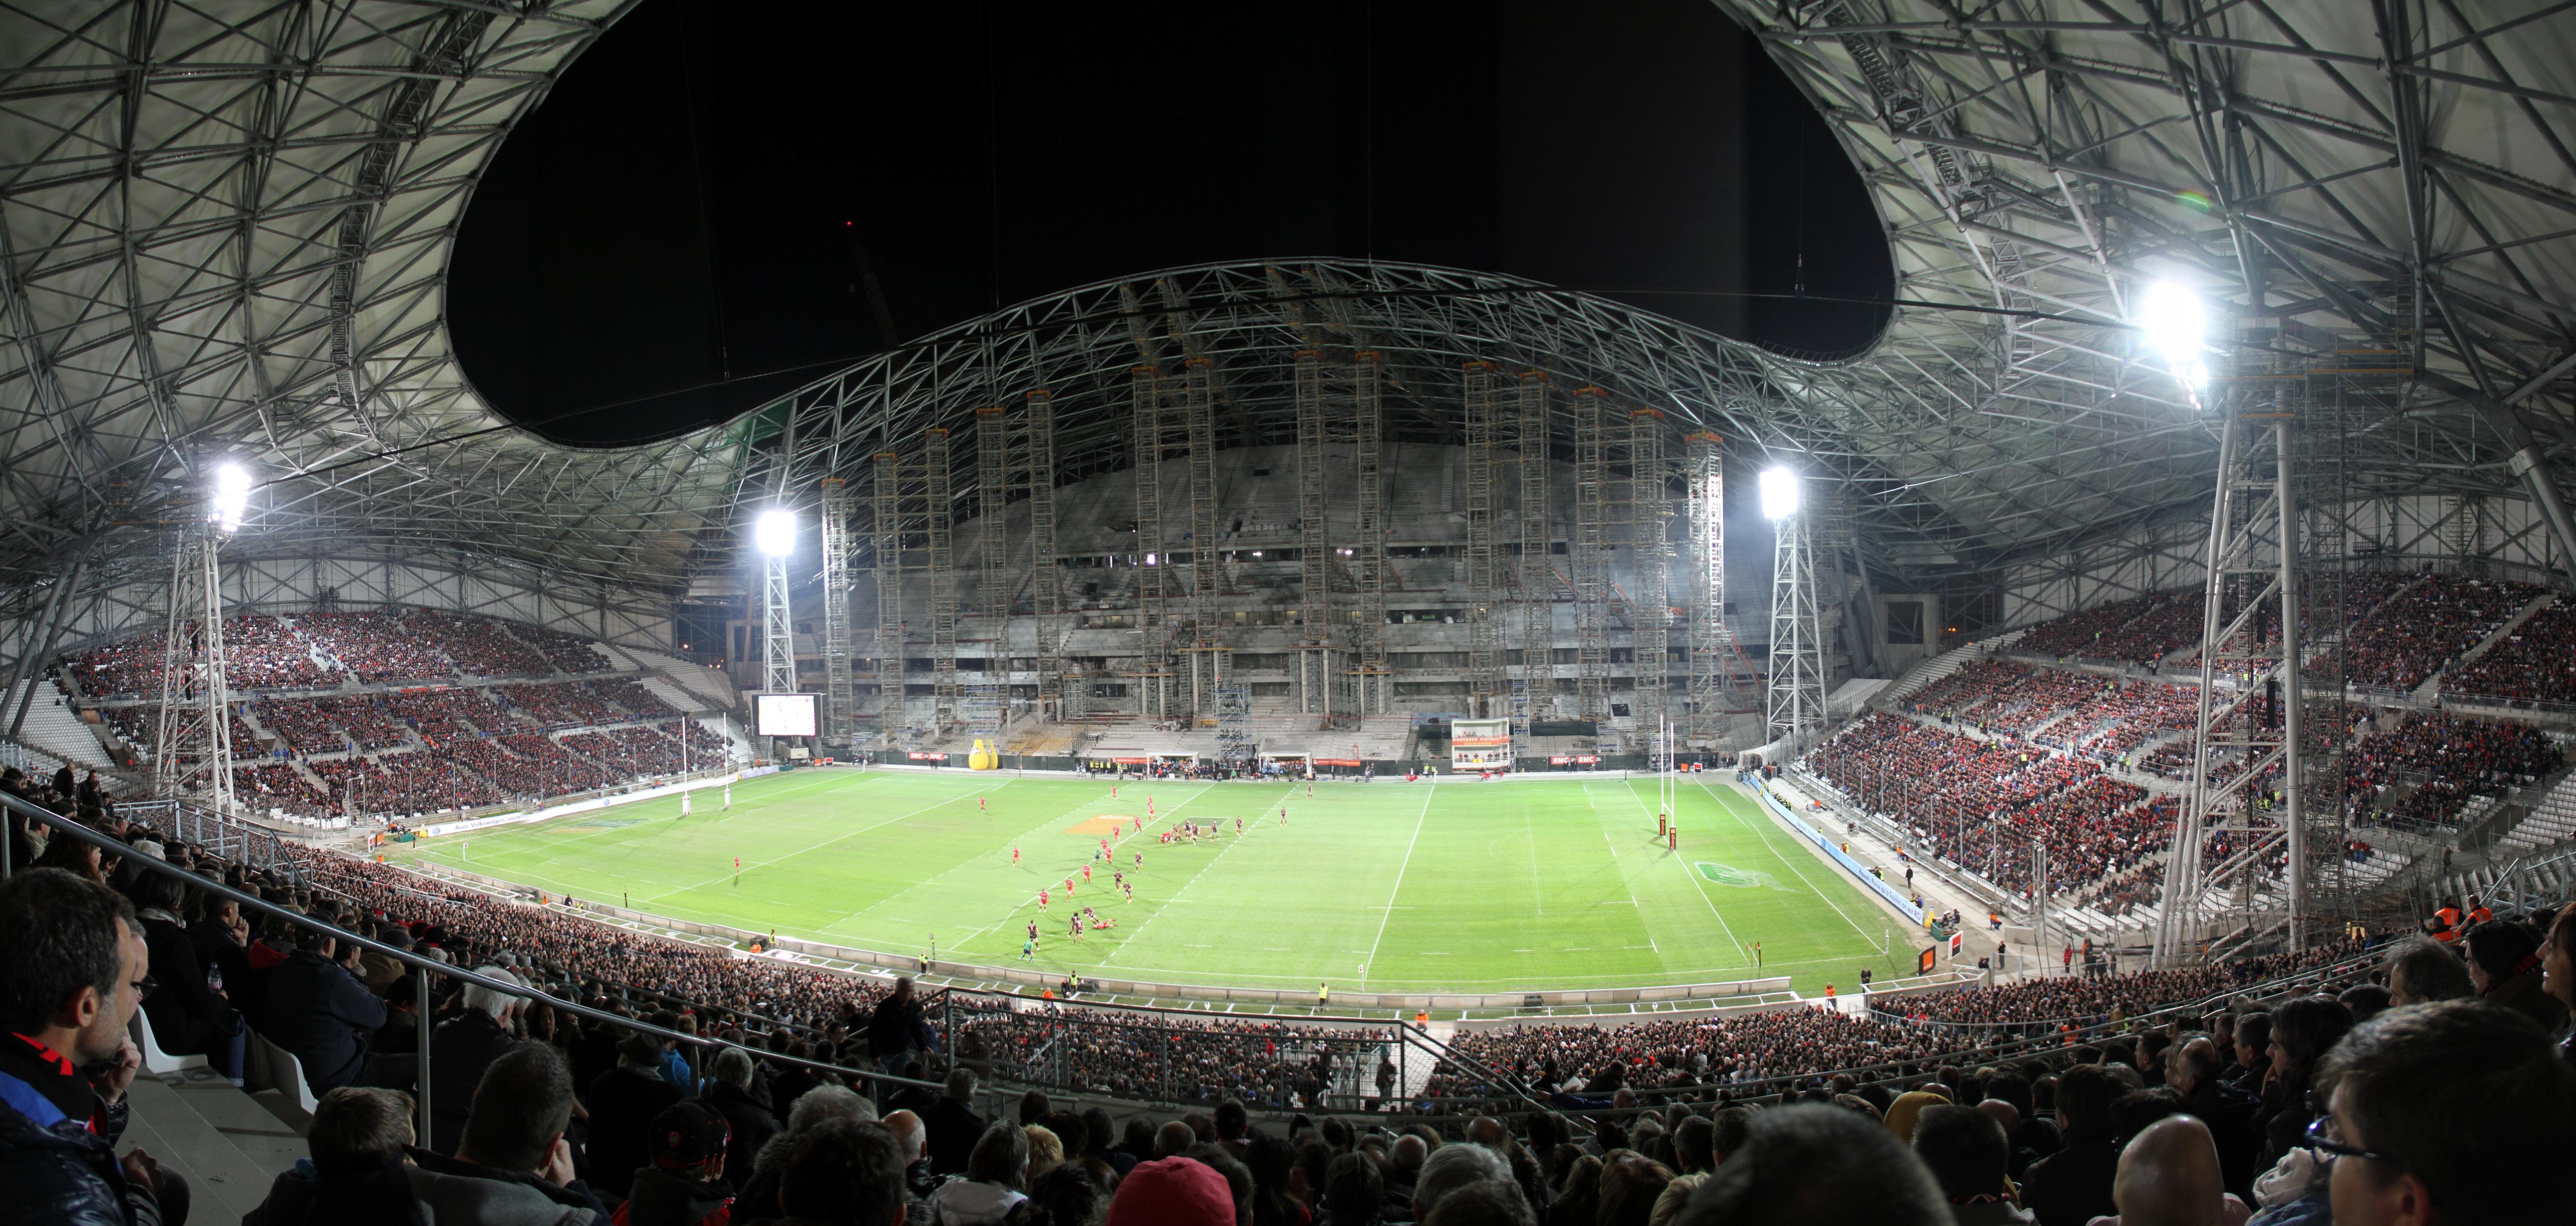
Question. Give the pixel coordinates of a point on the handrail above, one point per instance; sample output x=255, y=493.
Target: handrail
x=427, y=967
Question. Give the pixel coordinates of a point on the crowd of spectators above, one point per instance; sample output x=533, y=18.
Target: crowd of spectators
x=447, y=715
x=262, y=653
x=303, y=724
x=567, y=653
x=2043, y=1004
x=625, y=692
x=558, y=704
x=2536, y=663
x=476, y=646
x=375, y=646
x=2423, y=629
x=629, y=751
x=1979, y=804
x=2451, y=759
x=364, y=718
x=2077, y=633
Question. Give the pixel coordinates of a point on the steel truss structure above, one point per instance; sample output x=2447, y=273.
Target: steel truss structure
x=1651, y=613
x=1314, y=683
x=886, y=493
x=1798, y=650
x=1591, y=558
x=1207, y=654
x=1536, y=577
x=2247, y=797
x=192, y=746
x=1486, y=690
x=1153, y=557
x=941, y=513
x=1052, y=689
x=839, y=714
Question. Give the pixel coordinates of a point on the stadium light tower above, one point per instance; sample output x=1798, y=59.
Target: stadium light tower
x=1797, y=694
x=775, y=535
x=192, y=748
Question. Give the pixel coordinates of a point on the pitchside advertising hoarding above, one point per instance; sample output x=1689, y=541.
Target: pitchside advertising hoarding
x=784, y=714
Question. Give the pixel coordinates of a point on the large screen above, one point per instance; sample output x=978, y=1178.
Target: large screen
x=785, y=714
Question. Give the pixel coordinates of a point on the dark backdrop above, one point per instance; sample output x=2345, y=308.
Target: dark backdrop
x=713, y=207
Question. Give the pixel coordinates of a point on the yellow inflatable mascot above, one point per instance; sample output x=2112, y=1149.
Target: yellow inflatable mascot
x=983, y=759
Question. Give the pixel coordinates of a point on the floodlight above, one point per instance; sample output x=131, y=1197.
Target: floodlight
x=232, y=497
x=775, y=532
x=1779, y=493
x=2176, y=324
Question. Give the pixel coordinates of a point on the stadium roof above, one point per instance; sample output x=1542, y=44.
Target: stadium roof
x=224, y=230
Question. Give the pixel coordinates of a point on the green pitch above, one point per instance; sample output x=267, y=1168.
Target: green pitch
x=1385, y=886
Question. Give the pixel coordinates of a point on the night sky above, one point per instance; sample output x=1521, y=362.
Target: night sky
x=691, y=222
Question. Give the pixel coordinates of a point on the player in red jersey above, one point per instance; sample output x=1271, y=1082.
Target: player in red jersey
x=1015, y=854
x=979, y=805
x=1086, y=874
x=1042, y=900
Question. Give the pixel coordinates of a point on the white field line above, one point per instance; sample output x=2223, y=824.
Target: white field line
x=1401, y=866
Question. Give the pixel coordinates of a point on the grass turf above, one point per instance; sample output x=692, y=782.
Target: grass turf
x=1380, y=887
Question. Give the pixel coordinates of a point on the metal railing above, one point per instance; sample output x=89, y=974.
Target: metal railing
x=426, y=970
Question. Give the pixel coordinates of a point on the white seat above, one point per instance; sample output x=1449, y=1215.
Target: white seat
x=286, y=1075
x=155, y=1060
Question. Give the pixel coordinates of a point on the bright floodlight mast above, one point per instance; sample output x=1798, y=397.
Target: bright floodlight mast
x=192, y=745
x=774, y=533
x=1797, y=694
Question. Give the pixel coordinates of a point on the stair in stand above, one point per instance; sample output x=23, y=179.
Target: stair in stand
x=227, y=1142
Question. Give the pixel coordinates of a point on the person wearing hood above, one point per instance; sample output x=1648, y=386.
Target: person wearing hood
x=2504, y=968
x=1908, y=1108
x=685, y=1184
x=991, y=1185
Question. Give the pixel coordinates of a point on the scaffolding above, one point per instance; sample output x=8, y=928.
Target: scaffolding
x=993, y=544
x=1207, y=654
x=839, y=720
x=1486, y=683
x=1590, y=560
x=1234, y=747
x=1154, y=657
x=1055, y=699
x=1713, y=658
x=1314, y=544
x=2241, y=827
x=192, y=747
x=1535, y=696
x=887, y=493
x=1650, y=512
x=1798, y=681
x=943, y=585
x=1371, y=690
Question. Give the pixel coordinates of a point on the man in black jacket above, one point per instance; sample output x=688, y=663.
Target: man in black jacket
x=188, y=1017
x=954, y=1126
x=2192, y=1069
x=728, y=1092
x=2073, y=1186
x=461, y=1048
x=622, y=1102
x=76, y=973
x=514, y=1164
x=318, y=1011
x=686, y=1184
